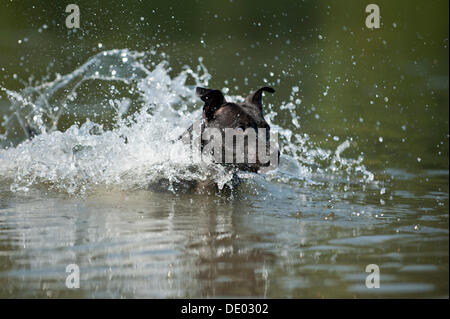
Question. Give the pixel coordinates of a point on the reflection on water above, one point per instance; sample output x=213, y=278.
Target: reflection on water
x=296, y=243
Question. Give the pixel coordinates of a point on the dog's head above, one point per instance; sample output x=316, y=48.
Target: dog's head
x=240, y=117
x=217, y=112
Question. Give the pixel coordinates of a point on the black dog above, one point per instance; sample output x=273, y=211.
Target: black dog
x=240, y=119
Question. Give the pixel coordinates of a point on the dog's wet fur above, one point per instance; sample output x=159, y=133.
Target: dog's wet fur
x=221, y=114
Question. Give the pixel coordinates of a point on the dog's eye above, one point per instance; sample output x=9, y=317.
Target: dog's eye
x=240, y=129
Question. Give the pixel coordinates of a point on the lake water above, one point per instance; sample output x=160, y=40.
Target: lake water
x=362, y=118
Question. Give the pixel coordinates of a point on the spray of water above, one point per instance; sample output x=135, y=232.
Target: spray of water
x=138, y=150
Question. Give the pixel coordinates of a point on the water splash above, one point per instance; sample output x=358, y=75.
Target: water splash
x=137, y=150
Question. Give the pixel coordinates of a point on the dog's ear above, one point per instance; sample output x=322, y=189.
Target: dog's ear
x=255, y=98
x=213, y=99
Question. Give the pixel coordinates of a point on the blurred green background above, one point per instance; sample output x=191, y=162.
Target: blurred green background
x=385, y=89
